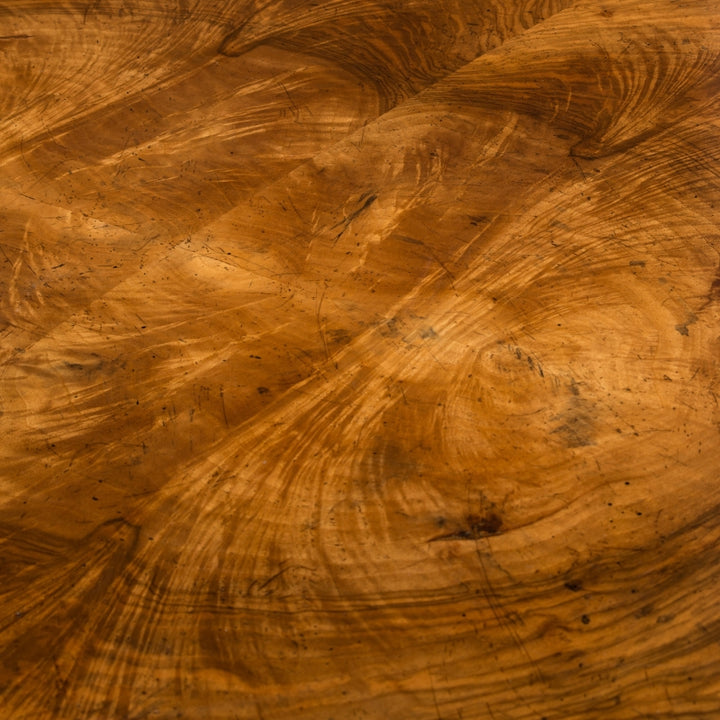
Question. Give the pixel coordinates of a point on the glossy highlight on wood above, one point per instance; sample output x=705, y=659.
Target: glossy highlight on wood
x=359, y=359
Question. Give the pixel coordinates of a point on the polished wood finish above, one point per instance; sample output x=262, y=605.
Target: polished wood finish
x=360, y=359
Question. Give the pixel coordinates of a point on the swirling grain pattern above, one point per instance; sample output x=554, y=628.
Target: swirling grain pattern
x=360, y=359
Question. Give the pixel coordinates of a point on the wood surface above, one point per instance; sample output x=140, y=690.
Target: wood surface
x=360, y=359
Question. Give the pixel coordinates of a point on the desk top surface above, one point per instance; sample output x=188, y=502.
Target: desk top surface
x=359, y=359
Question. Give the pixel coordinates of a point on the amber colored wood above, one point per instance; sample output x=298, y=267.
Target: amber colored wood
x=360, y=359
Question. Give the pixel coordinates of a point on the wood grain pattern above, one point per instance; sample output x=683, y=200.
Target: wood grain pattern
x=360, y=359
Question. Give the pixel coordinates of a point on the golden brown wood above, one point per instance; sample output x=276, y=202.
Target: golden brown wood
x=360, y=359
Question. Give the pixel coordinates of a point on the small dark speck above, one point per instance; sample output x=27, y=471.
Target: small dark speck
x=489, y=525
x=573, y=586
x=585, y=620
x=637, y=263
x=94, y=498
x=263, y=390
x=256, y=357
